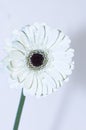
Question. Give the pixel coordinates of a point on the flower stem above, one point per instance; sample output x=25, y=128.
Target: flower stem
x=19, y=111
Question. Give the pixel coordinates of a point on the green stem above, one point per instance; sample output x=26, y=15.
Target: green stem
x=19, y=111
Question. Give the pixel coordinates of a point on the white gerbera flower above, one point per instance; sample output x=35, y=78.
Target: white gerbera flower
x=39, y=59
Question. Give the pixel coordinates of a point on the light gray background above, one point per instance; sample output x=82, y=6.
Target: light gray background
x=65, y=109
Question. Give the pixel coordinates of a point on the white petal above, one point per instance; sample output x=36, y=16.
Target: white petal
x=45, y=88
x=39, y=89
x=13, y=84
x=22, y=75
x=57, y=77
x=32, y=89
x=48, y=82
x=17, y=45
x=20, y=36
x=39, y=35
x=30, y=31
x=63, y=43
x=70, y=53
x=29, y=80
x=17, y=64
x=64, y=68
x=16, y=55
x=51, y=36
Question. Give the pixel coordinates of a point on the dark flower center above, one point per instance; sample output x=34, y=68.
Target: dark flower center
x=37, y=59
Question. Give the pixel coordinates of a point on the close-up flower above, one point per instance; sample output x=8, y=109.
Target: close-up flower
x=39, y=59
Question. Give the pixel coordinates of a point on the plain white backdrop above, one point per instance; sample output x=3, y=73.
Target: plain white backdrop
x=65, y=109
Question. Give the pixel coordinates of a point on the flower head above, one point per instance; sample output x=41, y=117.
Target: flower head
x=39, y=59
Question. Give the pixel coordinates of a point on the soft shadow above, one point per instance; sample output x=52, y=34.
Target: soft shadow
x=79, y=44
x=78, y=80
